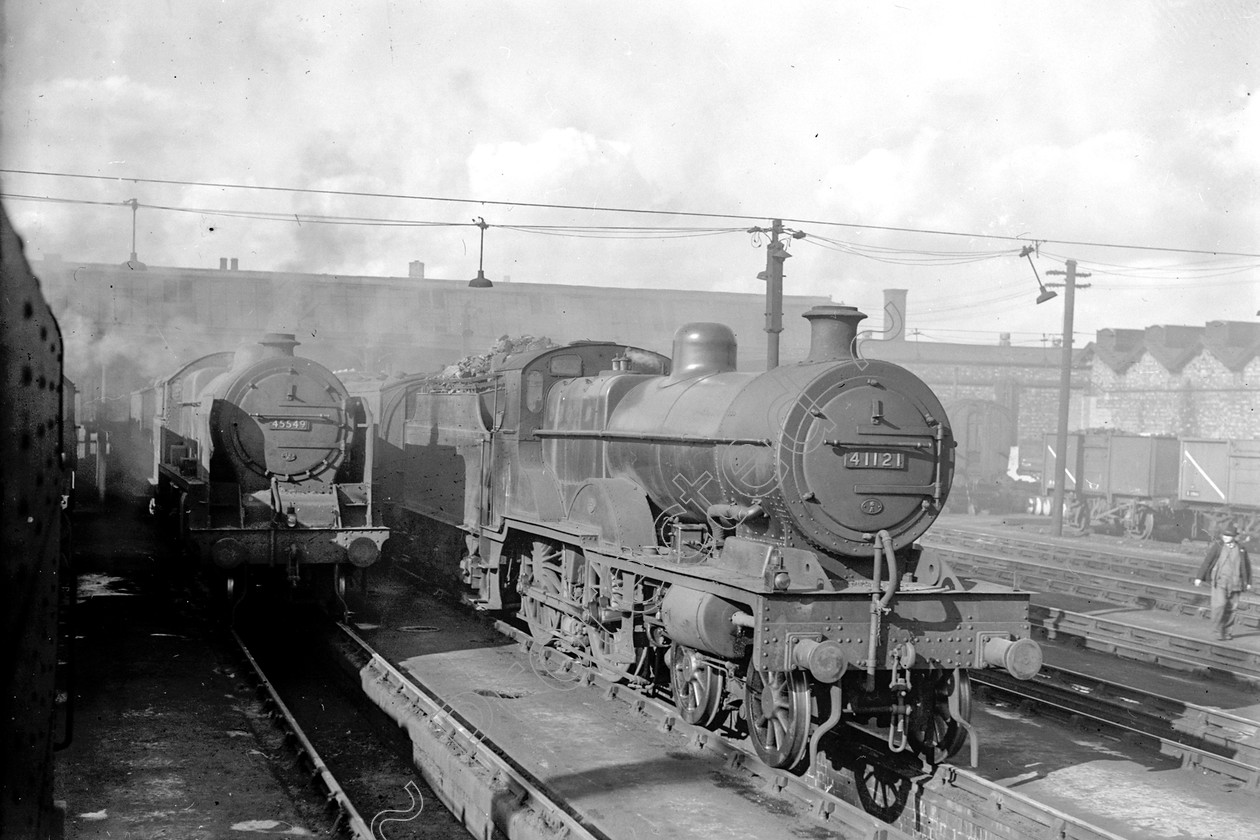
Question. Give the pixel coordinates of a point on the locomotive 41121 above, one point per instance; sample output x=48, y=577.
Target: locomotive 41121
x=747, y=538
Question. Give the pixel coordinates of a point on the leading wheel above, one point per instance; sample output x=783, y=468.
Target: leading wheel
x=777, y=706
x=934, y=732
x=697, y=686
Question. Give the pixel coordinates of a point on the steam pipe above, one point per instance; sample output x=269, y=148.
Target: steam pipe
x=883, y=543
x=826, y=726
x=894, y=579
x=738, y=513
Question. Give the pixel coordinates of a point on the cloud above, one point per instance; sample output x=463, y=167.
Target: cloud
x=1127, y=122
x=561, y=166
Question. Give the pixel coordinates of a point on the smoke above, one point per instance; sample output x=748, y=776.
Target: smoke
x=130, y=359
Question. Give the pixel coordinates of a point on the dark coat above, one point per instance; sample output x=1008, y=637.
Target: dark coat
x=1214, y=552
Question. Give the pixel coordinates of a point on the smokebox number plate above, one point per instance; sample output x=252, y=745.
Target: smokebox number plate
x=869, y=459
x=291, y=425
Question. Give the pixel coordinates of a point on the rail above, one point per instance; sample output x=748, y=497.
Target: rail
x=1226, y=744
x=347, y=813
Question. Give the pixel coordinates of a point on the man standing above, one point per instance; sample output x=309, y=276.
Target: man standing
x=1228, y=568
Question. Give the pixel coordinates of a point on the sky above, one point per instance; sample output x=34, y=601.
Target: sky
x=916, y=145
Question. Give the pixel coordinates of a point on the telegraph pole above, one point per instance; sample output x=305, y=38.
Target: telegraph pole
x=775, y=255
x=1065, y=396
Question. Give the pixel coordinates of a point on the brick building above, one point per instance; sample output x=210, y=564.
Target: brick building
x=1195, y=382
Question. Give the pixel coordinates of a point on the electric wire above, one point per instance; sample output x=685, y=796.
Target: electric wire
x=628, y=210
x=602, y=231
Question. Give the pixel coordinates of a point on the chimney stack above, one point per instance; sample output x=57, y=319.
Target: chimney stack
x=235, y=263
x=415, y=270
x=832, y=331
x=222, y=263
x=894, y=314
x=279, y=344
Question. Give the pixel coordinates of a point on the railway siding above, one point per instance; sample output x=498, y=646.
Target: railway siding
x=1091, y=576
x=1168, y=647
x=1202, y=738
x=1117, y=610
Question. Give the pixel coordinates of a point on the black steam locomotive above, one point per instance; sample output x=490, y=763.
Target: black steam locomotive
x=262, y=459
x=37, y=582
x=747, y=538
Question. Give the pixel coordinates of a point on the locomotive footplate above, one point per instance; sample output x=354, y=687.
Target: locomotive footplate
x=937, y=626
x=943, y=628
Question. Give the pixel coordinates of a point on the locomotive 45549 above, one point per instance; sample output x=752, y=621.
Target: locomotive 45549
x=262, y=459
x=747, y=538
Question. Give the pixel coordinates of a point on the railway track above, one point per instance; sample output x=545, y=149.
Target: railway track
x=342, y=757
x=1072, y=581
x=495, y=787
x=1202, y=738
x=347, y=814
x=1114, y=578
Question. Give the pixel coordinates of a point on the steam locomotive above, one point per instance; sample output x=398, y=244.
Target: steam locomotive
x=37, y=448
x=261, y=459
x=746, y=539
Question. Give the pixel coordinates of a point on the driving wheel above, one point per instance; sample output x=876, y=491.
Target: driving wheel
x=777, y=706
x=544, y=569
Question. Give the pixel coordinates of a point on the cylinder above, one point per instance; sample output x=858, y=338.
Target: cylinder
x=701, y=620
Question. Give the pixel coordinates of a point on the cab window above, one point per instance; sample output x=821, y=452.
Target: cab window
x=534, y=390
x=569, y=365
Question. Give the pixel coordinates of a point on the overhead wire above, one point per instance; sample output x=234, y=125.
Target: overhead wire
x=594, y=231
x=929, y=308
x=597, y=209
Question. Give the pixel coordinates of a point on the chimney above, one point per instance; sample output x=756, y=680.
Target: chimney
x=832, y=331
x=278, y=344
x=415, y=270
x=222, y=263
x=235, y=263
x=894, y=314
x=1004, y=339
